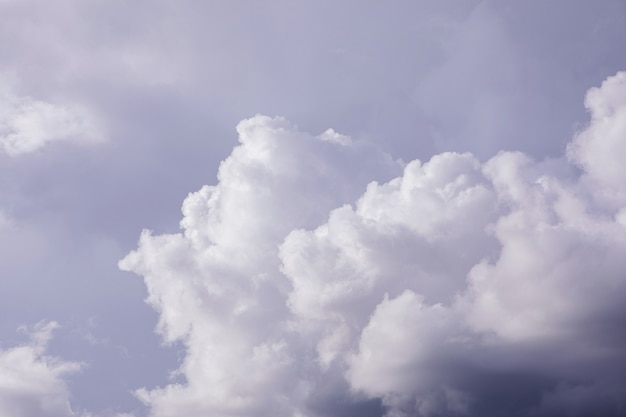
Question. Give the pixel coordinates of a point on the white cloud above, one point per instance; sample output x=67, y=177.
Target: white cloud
x=403, y=334
x=218, y=287
x=28, y=124
x=595, y=149
x=32, y=383
x=443, y=291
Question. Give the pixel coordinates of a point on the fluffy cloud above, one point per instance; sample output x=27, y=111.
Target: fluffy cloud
x=218, y=286
x=28, y=124
x=595, y=149
x=455, y=288
x=31, y=382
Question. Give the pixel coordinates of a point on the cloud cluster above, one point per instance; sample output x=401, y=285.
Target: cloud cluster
x=301, y=287
x=31, y=382
x=28, y=124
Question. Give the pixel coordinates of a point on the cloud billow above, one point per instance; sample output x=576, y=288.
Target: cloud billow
x=447, y=287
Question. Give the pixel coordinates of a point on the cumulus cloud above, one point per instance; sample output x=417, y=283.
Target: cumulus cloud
x=446, y=287
x=28, y=124
x=218, y=285
x=31, y=382
x=595, y=148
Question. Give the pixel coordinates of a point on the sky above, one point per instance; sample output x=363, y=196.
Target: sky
x=312, y=208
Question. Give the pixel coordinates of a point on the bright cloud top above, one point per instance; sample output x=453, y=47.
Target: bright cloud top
x=28, y=124
x=455, y=288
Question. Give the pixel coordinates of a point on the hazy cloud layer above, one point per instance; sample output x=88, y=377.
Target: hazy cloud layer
x=456, y=288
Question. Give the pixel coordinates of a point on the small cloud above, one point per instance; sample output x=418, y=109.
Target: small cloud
x=32, y=383
x=28, y=124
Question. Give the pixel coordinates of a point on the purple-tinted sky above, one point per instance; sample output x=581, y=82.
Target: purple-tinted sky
x=388, y=208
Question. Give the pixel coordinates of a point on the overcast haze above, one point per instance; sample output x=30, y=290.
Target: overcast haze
x=312, y=208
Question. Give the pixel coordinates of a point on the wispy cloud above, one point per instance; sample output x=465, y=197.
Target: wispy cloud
x=28, y=124
x=33, y=383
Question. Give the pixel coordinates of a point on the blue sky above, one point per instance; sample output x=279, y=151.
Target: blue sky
x=388, y=209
